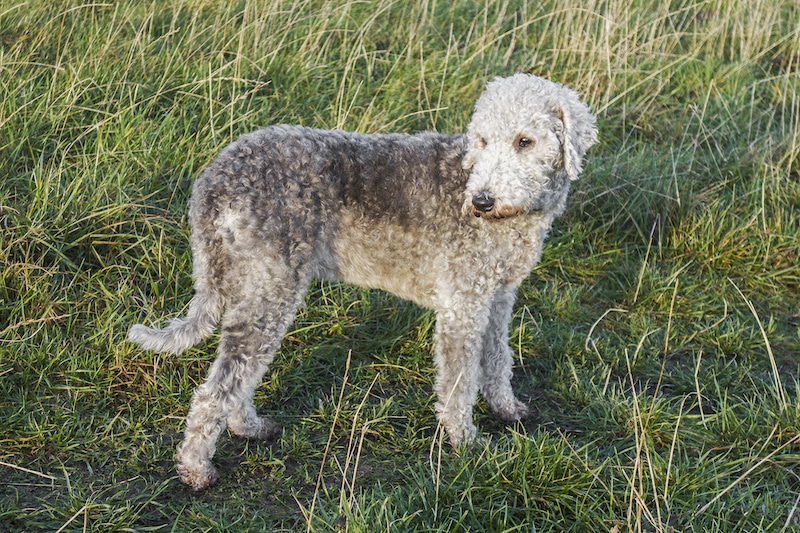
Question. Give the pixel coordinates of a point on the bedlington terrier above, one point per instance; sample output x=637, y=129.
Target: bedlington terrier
x=451, y=222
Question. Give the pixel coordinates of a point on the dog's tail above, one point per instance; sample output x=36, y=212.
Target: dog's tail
x=205, y=310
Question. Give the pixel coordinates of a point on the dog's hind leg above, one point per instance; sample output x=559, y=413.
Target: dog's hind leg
x=252, y=330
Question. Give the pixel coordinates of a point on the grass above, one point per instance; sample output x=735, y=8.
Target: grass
x=658, y=342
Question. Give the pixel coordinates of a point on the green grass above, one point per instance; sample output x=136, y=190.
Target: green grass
x=658, y=342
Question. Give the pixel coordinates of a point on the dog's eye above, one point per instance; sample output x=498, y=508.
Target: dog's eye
x=524, y=142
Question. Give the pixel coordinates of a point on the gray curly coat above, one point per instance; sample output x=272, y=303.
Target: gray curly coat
x=451, y=222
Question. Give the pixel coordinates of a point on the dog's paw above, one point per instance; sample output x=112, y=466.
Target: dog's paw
x=511, y=411
x=198, y=478
x=260, y=427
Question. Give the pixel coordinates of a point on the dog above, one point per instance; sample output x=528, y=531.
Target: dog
x=453, y=223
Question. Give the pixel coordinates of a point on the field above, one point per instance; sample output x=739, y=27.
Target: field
x=657, y=343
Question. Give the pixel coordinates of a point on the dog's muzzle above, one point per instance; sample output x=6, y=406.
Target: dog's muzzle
x=484, y=206
x=482, y=203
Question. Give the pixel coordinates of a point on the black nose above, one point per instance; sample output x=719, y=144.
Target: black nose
x=483, y=202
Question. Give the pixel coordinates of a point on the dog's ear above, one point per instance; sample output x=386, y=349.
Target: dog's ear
x=580, y=132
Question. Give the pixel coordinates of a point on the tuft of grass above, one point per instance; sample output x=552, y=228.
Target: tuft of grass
x=657, y=342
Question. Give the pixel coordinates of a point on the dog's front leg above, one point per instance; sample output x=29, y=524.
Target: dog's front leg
x=497, y=360
x=459, y=340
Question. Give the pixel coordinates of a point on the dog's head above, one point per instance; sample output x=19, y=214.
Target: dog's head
x=527, y=138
